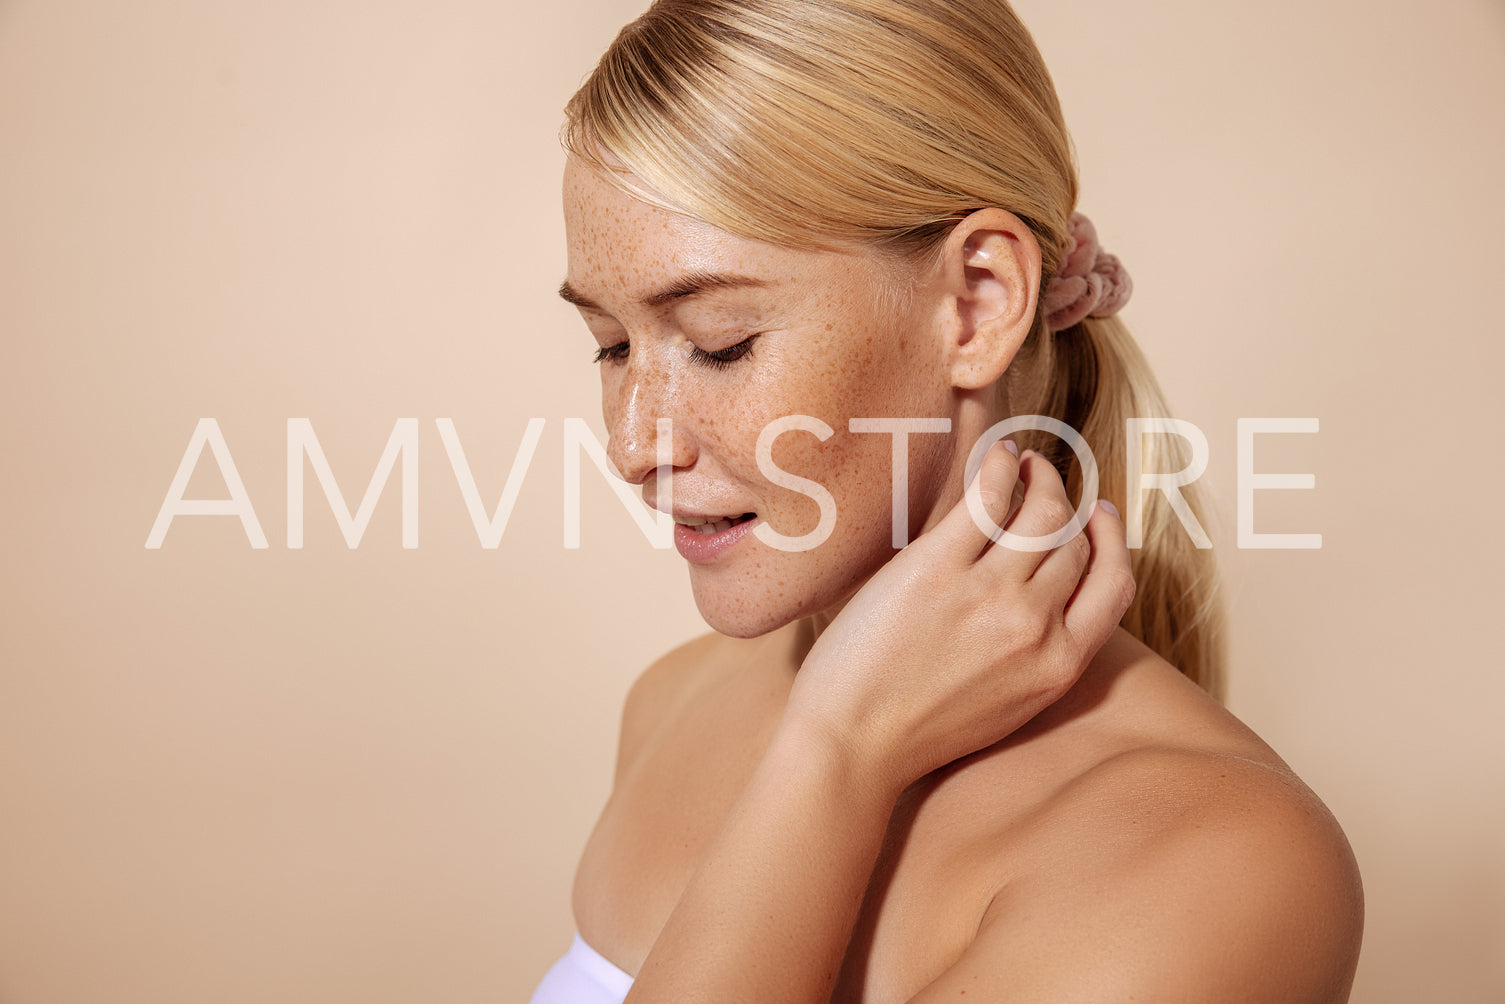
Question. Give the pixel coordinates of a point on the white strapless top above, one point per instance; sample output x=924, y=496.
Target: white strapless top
x=582, y=976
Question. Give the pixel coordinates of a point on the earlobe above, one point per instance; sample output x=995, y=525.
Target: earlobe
x=991, y=265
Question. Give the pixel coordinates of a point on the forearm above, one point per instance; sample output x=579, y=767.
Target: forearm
x=768, y=914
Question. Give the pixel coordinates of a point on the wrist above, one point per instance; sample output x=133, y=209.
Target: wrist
x=808, y=744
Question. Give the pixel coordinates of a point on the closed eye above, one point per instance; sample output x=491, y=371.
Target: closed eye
x=716, y=359
x=722, y=358
x=611, y=353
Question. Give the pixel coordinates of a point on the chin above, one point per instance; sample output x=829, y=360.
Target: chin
x=742, y=619
x=750, y=607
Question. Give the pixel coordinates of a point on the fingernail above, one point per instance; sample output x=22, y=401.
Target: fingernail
x=1011, y=446
x=1108, y=507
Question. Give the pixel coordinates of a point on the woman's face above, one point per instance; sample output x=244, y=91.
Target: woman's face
x=724, y=335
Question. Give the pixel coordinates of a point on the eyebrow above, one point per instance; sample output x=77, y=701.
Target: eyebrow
x=688, y=285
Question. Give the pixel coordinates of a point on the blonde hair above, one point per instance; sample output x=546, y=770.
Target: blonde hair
x=823, y=123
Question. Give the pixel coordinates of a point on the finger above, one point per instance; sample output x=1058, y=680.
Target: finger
x=1044, y=522
x=1107, y=586
x=1060, y=570
x=995, y=493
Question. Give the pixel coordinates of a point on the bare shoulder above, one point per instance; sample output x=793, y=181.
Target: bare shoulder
x=1204, y=876
x=667, y=675
x=667, y=683
x=1187, y=863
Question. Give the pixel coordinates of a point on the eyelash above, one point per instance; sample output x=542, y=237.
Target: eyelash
x=719, y=359
x=610, y=353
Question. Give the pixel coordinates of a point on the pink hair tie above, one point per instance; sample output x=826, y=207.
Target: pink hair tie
x=1090, y=282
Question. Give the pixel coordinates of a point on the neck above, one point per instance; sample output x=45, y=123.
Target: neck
x=973, y=415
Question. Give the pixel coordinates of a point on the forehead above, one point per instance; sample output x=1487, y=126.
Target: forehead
x=620, y=245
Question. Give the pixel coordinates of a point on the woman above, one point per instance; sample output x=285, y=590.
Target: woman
x=829, y=241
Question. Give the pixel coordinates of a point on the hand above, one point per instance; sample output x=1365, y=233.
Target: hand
x=958, y=640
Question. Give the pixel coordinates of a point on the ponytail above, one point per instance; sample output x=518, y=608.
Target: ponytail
x=1093, y=377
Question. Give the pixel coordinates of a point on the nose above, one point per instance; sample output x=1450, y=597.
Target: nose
x=644, y=405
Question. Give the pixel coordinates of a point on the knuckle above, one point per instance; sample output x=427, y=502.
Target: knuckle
x=1054, y=675
x=1031, y=633
x=1052, y=514
x=1062, y=675
x=1081, y=547
x=993, y=500
x=1122, y=582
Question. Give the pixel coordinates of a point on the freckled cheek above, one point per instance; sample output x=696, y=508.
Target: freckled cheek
x=854, y=468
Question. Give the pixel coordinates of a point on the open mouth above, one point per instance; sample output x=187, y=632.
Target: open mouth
x=708, y=525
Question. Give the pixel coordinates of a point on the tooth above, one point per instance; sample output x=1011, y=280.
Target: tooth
x=708, y=525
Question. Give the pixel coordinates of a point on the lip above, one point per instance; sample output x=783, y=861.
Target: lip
x=683, y=512
x=704, y=548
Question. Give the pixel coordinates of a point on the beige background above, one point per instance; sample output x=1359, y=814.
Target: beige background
x=240, y=775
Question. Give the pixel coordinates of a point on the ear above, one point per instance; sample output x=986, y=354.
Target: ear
x=989, y=271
